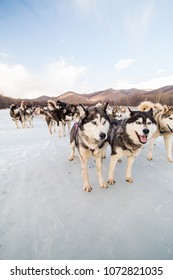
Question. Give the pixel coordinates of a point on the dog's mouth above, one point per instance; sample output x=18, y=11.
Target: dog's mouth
x=142, y=138
x=171, y=130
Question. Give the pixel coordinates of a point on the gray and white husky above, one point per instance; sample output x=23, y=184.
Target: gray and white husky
x=127, y=137
x=163, y=116
x=89, y=135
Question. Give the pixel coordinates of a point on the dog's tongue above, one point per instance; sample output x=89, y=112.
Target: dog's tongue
x=143, y=138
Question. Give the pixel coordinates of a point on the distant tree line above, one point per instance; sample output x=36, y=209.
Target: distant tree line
x=128, y=100
x=5, y=102
x=136, y=99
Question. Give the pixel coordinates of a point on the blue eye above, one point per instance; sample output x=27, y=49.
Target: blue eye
x=138, y=122
x=94, y=123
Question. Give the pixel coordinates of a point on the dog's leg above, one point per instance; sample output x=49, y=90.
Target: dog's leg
x=68, y=125
x=50, y=127
x=84, y=155
x=113, y=162
x=130, y=161
x=59, y=130
x=98, y=159
x=72, y=145
x=168, y=145
x=104, y=150
x=151, y=146
x=63, y=129
x=54, y=126
x=16, y=123
x=23, y=122
x=32, y=122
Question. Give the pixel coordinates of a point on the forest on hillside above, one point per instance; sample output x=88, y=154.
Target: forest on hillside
x=127, y=100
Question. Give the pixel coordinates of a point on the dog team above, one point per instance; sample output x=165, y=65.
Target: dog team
x=96, y=127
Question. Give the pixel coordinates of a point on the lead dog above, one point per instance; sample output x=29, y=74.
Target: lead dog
x=164, y=119
x=89, y=135
x=127, y=137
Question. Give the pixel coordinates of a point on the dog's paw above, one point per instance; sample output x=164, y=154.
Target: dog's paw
x=120, y=160
x=104, y=185
x=111, y=181
x=71, y=158
x=129, y=179
x=87, y=188
x=170, y=159
x=149, y=158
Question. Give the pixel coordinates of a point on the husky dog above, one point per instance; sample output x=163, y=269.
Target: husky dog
x=120, y=112
x=126, y=138
x=164, y=119
x=51, y=124
x=89, y=135
x=15, y=114
x=61, y=113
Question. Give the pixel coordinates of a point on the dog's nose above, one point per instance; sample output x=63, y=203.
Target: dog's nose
x=102, y=135
x=146, y=131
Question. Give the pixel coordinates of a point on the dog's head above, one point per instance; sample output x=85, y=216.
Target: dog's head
x=140, y=126
x=94, y=121
x=167, y=118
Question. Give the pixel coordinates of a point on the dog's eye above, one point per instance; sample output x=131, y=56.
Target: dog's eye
x=170, y=118
x=138, y=122
x=94, y=123
x=149, y=123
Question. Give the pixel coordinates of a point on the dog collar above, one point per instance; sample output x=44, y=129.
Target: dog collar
x=162, y=131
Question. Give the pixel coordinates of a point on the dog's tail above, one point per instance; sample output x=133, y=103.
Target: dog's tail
x=22, y=105
x=147, y=105
x=51, y=104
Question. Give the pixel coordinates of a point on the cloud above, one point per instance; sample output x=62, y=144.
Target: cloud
x=123, y=64
x=161, y=71
x=14, y=80
x=86, y=6
x=152, y=83
x=56, y=78
x=2, y=54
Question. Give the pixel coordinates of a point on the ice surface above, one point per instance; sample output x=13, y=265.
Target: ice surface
x=45, y=214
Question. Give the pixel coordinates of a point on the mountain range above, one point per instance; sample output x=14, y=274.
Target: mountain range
x=131, y=97
x=115, y=96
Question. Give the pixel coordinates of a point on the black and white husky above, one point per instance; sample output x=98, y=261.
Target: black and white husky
x=23, y=114
x=163, y=116
x=127, y=137
x=89, y=135
x=15, y=114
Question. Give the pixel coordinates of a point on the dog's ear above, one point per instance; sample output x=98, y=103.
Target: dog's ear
x=105, y=107
x=82, y=110
x=151, y=111
x=131, y=112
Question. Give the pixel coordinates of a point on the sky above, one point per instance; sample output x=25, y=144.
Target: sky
x=48, y=47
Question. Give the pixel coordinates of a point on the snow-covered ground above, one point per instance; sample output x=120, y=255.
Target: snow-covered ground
x=45, y=214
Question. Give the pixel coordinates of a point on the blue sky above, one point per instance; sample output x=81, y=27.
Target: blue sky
x=53, y=46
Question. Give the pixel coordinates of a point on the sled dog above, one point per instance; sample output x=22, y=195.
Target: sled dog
x=89, y=135
x=15, y=114
x=126, y=138
x=163, y=116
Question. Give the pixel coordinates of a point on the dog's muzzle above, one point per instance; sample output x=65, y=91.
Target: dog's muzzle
x=146, y=131
x=102, y=136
